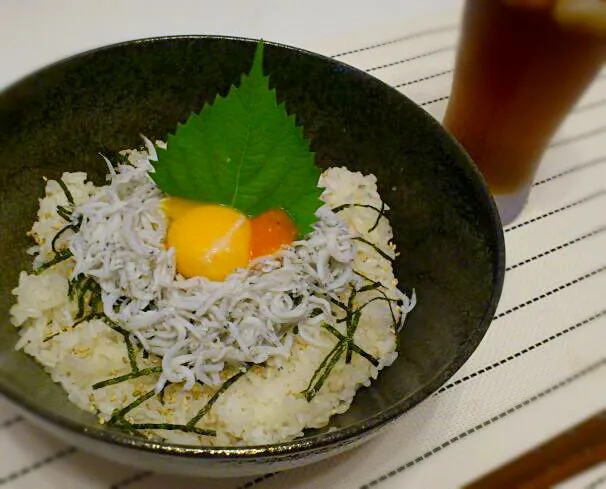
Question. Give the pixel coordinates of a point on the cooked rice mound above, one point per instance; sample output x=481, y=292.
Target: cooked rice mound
x=265, y=403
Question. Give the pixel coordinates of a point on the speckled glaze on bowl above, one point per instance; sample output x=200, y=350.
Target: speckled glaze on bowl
x=446, y=226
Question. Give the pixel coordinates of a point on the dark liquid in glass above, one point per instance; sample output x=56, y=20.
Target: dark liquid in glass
x=518, y=74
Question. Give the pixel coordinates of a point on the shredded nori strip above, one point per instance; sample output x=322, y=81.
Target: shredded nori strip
x=374, y=284
x=338, y=303
x=68, y=194
x=351, y=323
x=129, y=376
x=118, y=417
x=380, y=212
x=119, y=414
x=82, y=290
x=390, y=302
x=341, y=207
x=60, y=233
x=386, y=299
x=379, y=287
x=51, y=336
x=228, y=383
x=346, y=343
x=130, y=348
x=351, y=331
x=374, y=247
x=64, y=213
x=379, y=215
x=59, y=257
x=323, y=371
x=365, y=277
x=354, y=347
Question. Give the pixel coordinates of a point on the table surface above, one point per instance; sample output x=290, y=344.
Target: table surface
x=541, y=368
x=37, y=32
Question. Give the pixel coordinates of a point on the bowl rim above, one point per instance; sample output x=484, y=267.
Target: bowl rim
x=312, y=442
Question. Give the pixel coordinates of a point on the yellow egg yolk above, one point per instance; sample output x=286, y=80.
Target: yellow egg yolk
x=214, y=240
x=175, y=207
x=210, y=240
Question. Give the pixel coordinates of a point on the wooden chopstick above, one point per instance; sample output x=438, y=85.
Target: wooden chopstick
x=560, y=458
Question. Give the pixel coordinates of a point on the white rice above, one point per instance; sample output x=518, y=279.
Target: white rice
x=265, y=405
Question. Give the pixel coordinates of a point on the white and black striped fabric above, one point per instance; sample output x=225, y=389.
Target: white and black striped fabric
x=541, y=367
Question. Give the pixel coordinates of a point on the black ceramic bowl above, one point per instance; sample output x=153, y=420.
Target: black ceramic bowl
x=446, y=226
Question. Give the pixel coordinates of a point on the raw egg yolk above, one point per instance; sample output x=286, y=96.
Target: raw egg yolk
x=175, y=207
x=209, y=239
x=270, y=231
x=214, y=240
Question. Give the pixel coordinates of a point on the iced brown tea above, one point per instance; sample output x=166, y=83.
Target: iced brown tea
x=520, y=69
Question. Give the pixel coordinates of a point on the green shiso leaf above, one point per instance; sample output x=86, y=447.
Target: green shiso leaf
x=244, y=151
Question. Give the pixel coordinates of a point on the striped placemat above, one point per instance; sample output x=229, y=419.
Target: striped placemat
x=541, y=367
